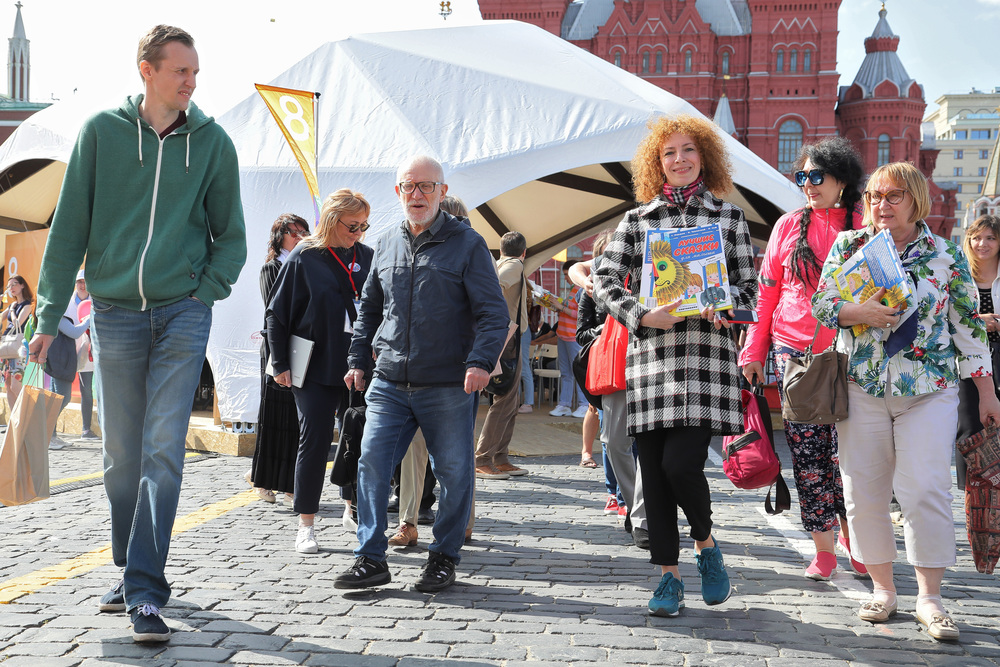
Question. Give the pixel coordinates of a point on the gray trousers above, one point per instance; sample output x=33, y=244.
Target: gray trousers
x=614, y=434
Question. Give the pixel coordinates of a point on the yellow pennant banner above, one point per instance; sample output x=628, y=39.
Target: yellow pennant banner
x=295, y=111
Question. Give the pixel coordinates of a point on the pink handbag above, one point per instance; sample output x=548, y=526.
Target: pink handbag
x=749, y=460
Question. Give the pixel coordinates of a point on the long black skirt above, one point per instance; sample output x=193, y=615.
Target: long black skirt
x=277, y=439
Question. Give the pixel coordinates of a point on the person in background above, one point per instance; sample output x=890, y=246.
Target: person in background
x=314, y=298
x=981, y=244
x=830, y=174
x=899, y=434
x=273, y=468
x=682, y=381
x=568, y=349
x=15, y=318
x=78, y=303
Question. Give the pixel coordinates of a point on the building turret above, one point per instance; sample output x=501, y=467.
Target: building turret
x=18, y=61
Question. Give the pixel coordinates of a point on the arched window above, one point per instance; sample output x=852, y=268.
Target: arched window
x=725, y=62
x=659, y=62
x=645, y=62
x=789, y=143
x=780, y=64
x=793, y=60
x=687, y=61
x=883, y=149
x=618, y=58
x=807, y=61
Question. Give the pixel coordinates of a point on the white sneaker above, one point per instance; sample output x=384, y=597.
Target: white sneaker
x=581, y=411
x=348, y=520
x=305, y=542
x=524, y=409
x=57, y=443
x=561, y=411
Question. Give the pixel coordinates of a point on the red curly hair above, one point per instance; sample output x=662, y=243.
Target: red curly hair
x=647, y=172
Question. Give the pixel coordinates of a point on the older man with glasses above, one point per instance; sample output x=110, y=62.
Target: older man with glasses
x=432, y=280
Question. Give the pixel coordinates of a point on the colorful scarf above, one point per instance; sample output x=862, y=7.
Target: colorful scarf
x=679, y=196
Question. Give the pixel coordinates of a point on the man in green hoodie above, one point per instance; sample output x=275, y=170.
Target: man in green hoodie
x=151, y=197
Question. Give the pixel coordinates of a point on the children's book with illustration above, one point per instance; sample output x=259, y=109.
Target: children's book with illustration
x=876, y=264
x=688, y=264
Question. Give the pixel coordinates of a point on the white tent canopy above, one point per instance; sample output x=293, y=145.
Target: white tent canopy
x=534, y=133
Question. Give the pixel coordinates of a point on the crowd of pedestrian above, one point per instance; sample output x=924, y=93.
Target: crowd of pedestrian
x=419, y=323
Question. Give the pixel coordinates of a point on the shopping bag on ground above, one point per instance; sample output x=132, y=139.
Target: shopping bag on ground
x=24, y=454
x=982, y=495
x=750, y=460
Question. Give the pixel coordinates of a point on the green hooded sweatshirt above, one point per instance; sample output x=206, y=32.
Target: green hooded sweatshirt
x=158, y=220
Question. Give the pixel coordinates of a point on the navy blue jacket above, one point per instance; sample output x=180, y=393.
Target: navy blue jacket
x=429, y=315
x=310, y=299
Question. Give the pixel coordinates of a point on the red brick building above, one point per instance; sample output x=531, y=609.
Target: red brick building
x=772, y=62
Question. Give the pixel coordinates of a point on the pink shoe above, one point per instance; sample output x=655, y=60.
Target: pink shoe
x=844, y=544
x=822, y=566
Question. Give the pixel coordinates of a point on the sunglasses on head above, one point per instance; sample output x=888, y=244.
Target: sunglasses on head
x=814, y=176
x=354, y=229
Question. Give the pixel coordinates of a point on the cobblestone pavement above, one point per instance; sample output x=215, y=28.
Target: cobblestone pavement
x=548, y=580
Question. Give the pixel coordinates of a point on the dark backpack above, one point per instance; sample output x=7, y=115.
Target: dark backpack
x=61, y=358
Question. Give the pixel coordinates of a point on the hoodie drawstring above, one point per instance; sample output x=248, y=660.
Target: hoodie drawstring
x=139, y=128
x=187, y=154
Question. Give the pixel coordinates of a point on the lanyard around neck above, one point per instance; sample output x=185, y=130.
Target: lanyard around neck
x=350, y=274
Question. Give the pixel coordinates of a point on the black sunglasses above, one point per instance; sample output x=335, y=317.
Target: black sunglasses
x=814, y=176
x=354, y=229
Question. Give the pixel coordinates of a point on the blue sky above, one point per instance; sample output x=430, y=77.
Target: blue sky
x=88, y=46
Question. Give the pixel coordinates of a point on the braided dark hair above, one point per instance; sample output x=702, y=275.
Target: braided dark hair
x=278, y=229
x=838, y=158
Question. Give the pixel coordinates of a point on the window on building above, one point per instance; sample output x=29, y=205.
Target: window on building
x=958, y=188
x=789, y=143
x=618, y=58
x=957, y=172
x=807, y=61
x=725, y=63
x=659, y=62
x=982, y=171
x=979, y=189
x=959, y=155
x=793, y=60
x=688, y=57
x=883, y=149
x=980, y=134
x=645, y=62
x=984, y=155
x=780, y=64
x=961, y=134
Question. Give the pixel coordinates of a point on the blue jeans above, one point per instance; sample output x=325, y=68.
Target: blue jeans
x=527, y=377
x=568, y=350
x=87, y=398
x=148, y=366
x=63, y=387
x=445, y=417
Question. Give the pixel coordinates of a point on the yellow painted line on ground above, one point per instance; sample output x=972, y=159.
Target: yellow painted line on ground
x=95, y=475
x=12, y=589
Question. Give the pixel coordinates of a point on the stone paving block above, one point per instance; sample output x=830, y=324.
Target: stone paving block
x=570, y=654
x=407, y=649
x=230, y=627
x=44, y=649
x=474, y=653
x=349, y=660
x=253, y=642
x=727, y=660
x=888, y=657
x=197, y=654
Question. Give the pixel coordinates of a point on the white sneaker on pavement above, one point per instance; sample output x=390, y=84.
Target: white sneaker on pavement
x=561, y=411
x=305, y=542
x=581, y=411
x=524, y=409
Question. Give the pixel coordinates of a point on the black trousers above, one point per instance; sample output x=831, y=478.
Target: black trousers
x=673, y=475
x=317, y=405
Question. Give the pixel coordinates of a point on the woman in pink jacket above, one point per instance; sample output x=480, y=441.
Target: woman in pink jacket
x=831, y=175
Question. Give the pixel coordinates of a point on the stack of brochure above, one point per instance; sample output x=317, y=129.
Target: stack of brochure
x=688, y=264
x=875, y=265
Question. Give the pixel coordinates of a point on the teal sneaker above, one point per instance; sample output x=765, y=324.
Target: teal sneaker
x=715, y=588
x=668, y=600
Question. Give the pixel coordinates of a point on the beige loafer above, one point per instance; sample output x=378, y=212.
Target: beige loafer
x=875, y=611
x=939, y=626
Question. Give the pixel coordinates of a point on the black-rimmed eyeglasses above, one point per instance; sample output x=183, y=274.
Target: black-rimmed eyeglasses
x=814, y=176
x=354, y=229
x=875, y=198
x=426, y=187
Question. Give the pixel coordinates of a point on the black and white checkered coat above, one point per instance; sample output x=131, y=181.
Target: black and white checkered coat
x=685, y=376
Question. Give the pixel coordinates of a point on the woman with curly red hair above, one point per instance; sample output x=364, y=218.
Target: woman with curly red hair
x=682, y=381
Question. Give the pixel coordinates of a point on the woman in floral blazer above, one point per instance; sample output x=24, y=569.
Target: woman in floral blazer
x=682, y=382
x=903, y=395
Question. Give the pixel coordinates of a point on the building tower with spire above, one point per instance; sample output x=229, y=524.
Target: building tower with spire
x=18, y=61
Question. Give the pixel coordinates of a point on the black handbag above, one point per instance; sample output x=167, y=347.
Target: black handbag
x=502, y=383
x=580, y=362
x=344, y=471
x=61, y=357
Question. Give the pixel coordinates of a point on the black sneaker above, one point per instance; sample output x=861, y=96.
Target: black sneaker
x=439, y=573
x=114, y=600
x=425, y=517
x=147, y=626
x=364, y=573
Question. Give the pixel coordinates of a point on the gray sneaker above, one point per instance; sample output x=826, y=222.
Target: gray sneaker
x=114, y=600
